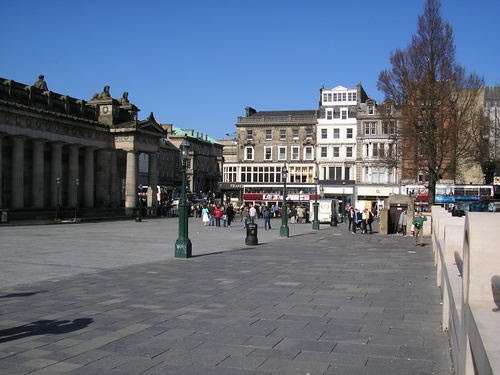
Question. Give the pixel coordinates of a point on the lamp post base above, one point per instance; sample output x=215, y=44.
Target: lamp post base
x=284, y=231
x=315, y=225
x=183, y=248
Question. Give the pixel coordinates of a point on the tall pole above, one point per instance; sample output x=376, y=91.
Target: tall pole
x=183, y=247
x=315, y=223
x=284, y=230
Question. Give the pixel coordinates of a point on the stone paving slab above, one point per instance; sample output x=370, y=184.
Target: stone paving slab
x=325, y=302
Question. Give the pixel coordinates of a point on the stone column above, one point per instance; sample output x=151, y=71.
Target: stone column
x=153, y=177
x=17, y=172
x=38, y=173
x=88, y=179
x=56, y=175
x=102, y=178
x=1, y=163
x=115, y=190
x=73, y=175
x=131, y=182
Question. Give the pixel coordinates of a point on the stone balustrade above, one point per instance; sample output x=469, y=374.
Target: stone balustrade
x=468, y=272
x=33, y=97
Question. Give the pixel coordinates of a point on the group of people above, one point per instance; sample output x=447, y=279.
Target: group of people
x=418, y=226
x=215, y=214
x=360, y=220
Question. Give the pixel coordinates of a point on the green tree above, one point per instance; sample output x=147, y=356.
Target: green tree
x=437, y=97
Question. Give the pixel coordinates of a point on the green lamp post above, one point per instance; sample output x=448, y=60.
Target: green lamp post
x=183, y=248
x=284, y=230
x=315, y=223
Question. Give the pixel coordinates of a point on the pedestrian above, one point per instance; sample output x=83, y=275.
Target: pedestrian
x=351, y=217
x=252, y=213
x=229, y=214
x=364, y=219
x=369, y=221
x=245, y=217
x=358, y=219
x=211, y=212
x=204, y=215
x=418, y=223
x=267, y=218
x=218, y=215
x=403, y=218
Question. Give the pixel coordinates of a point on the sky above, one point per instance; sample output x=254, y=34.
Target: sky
x=198, y=64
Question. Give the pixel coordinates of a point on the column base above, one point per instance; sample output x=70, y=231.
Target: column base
x=284, y=231
x=315, y=225
x=183, y=248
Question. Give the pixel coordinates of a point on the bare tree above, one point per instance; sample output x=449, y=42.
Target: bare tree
x=437, y=99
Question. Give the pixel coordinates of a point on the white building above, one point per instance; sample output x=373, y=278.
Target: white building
x=337, y=132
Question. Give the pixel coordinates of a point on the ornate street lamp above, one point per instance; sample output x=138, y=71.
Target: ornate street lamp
x=183, y=244
x=284, y=231
x=58, y=199
x=77, y=183
x=315, y=223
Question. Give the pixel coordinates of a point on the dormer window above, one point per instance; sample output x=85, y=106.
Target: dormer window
x=370, y=109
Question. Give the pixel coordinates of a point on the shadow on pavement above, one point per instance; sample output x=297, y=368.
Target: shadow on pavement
x=43, y=327
x=26, y=294
x=226, y=251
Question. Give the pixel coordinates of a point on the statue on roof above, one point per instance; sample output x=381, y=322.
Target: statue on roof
x=103, y=95
x=124, y=98
x=41, y=84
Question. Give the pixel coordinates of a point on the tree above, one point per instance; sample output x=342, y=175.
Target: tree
x=437, y=97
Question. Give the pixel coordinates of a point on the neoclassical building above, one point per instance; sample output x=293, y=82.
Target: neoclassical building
x=265, y=142
x=61, y=152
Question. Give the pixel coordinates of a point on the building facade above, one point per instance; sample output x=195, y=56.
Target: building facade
x=204, y=168
x=267, y=140
x=61, y=152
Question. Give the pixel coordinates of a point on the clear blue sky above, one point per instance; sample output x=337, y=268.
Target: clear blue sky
x=198, y=64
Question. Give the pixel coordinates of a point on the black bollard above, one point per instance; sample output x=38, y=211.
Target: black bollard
x=251, y=238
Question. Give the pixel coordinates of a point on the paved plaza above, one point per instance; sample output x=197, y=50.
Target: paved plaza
x=109, y=298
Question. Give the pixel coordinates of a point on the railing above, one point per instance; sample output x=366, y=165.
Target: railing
x=467, y=262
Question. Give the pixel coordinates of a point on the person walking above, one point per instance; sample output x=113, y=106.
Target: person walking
x=267, y=218
x=204, y=216
x=218, y=215
x=403, y=218
x=351, y=218
x=229, y=214
x=369, y=221
x=245, y=217
x=418, y=223
x=252, y=213
x=358, y=219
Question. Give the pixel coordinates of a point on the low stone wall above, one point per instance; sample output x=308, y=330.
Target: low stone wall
x=468, y=272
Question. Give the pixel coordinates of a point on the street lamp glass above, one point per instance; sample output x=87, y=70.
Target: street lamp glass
x=284, y=173
x=185, y=149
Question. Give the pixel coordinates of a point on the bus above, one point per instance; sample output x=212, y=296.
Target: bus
x=452, y=195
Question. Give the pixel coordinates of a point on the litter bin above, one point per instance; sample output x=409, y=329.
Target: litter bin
x=251, y=238
x=4, y=216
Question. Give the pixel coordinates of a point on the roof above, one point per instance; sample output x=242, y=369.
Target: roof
x=281, y=117
x=193, y=134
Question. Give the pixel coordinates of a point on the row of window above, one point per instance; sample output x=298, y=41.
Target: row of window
x=376, y=149
x=271, y=174
x=370, y=128
x=282, y=134
x=336, y=113
x=282, y=153
x=336, y=133
x=388, y=127
x=374, y=174
x=349, y=152
x=339, y=96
